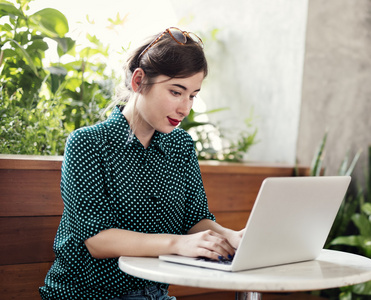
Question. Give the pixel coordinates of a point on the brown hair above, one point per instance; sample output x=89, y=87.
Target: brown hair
x=166, y=57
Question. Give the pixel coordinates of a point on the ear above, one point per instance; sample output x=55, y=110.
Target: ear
x=136, y=79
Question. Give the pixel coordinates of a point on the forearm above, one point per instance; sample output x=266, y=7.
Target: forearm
x=206, y=238
x=117, y=242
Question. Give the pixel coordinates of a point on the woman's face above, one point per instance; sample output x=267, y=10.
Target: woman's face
x=167, y=102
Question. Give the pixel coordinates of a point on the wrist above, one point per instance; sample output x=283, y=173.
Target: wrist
x=174, y=244
x=226, y=232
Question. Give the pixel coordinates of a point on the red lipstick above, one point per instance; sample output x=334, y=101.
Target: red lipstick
x=173, y=122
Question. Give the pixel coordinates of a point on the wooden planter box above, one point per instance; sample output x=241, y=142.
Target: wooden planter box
x=31, y=208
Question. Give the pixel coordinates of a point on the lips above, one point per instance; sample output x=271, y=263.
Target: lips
x=173, y=122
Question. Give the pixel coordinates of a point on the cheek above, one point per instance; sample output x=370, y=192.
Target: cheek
x=190, y=105
x=167, y=104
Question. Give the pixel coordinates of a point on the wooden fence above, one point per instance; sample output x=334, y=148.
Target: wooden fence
x=31, y=208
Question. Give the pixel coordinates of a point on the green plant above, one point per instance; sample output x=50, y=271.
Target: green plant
x=23, y=42
x=40, y=105
x=36, y=130
x=30, y=123
x=351, y=230
x=205, y=134
x=235, y=149
x=360, y=242
x=317, y=161
x=361, y=219
x=350, y=202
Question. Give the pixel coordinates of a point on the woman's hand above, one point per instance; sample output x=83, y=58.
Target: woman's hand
x=209, y=239
x=234, y=237
x=206, y=243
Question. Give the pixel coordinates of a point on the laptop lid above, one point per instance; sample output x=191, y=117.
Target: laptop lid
x=290, y=221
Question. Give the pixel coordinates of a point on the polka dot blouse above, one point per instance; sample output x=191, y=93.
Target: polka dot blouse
x=109, y=180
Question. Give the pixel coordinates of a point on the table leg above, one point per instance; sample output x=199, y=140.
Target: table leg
x=248, y=296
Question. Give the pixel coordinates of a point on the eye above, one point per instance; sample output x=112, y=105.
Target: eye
x=175, y=93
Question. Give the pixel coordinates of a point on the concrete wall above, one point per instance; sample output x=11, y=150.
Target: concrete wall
x=336, y=94
x=256, y=62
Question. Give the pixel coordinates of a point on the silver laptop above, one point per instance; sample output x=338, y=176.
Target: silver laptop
x=290, y=222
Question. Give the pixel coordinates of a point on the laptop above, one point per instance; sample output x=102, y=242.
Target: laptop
x=290, y=221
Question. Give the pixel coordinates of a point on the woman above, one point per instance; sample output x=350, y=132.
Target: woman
x=132, y=185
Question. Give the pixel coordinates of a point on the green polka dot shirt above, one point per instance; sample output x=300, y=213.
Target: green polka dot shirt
x=109, y=180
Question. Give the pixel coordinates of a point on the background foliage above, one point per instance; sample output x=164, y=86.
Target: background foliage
x=351, y=230
x=40, y=105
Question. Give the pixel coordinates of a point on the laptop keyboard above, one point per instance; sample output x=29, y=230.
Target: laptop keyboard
x=222, y=261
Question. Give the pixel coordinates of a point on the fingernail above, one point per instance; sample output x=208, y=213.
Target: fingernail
x=220, y=257
x=230, y=256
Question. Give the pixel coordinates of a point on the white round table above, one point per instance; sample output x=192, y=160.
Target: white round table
x=330, y=270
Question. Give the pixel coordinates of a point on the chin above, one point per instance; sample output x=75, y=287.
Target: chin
x=165, y=130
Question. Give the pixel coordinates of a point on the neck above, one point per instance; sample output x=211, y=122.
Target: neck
x=142, y=132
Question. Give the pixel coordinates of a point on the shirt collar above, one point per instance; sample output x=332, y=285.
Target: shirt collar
x=120, y=134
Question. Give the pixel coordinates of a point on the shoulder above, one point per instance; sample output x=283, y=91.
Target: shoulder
x=179, y=145
x=86, y=137
x=179, y=137
x=84, y=150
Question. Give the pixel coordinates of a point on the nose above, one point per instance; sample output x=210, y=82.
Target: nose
x=184, y=107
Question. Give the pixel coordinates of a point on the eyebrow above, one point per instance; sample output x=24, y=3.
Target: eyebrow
x=183, y=87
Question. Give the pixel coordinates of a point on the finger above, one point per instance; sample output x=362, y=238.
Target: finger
x=203, y=252
x=218, y=244
x=223, y=249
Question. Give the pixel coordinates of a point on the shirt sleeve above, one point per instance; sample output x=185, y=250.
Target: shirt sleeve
x=196, y=201
x=84, y=188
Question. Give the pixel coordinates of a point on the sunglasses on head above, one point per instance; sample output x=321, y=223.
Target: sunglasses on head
x=178, y=35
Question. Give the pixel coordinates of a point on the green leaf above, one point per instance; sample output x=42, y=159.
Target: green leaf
x=366, y=208
x=118, y=20
x=213, y=111
x=368, y=175
x=362, y=288
x=38, y=45
x=344, y=165
x=345, y=295
x=27, y=57
x=57, y=75
x=50, y=22
x=363, y=224
x=347, y=209
x=88, y=52
x=316, y=165
x=187, y=125
x=6, y=27
x=93, y=39
x=64, y=45
x=8, y=9
x=353, y=164
x=9, y=53
x=351, y=240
